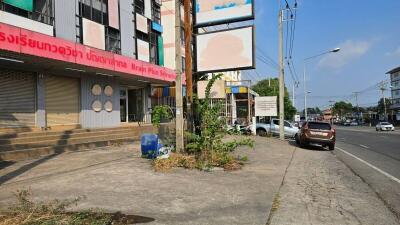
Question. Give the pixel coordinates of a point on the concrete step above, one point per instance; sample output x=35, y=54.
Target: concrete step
x=65, y=140
x=61, y=132
x=58, y=136
x=52, y=151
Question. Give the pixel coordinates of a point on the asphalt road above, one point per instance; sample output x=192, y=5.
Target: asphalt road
x=375, y=157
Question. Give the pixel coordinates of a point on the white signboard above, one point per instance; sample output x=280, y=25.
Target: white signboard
x=296, y=118
x=266, y=106
x=93, y=34
x=225, y=50
x=143, y=50
x=222, y=11
x=141, y=23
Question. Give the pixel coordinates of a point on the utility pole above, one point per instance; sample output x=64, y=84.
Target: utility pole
x=383, y=88
x=305, y=91
x=281, y=80
x=178, y=64
x=293, y=96
x=188, y=52
x=188, y=62
x=358, y=108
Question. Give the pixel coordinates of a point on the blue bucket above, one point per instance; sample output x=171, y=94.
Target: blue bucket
x=149, y=146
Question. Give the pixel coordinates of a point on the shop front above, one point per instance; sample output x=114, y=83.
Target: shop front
x=47, y=82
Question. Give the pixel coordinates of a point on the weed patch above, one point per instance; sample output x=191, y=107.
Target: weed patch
x=27, y=212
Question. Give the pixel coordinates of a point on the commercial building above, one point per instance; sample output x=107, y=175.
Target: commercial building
x=83, y=63
x=395, y=89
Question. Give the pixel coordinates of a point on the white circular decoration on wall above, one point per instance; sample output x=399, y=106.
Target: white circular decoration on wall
x=108, y=91
x=108, y=106
x=96, y=89
x=96, y=106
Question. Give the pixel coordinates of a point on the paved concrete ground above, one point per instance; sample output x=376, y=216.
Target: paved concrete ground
x=117, y=179
x=319, y=189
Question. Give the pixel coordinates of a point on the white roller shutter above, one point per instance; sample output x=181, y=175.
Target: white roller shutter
x=62, y=100
x=17, y=99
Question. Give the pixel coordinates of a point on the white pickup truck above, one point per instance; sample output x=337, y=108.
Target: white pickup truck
x=273, y=128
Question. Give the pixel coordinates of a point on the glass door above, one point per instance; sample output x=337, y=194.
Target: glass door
x=123, y=104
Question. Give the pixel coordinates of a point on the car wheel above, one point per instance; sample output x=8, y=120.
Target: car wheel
x=296, y=137
x=261, y=132
x=332, y=147
x=302, y=144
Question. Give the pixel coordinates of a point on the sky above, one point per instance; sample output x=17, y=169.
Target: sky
x=367, y=31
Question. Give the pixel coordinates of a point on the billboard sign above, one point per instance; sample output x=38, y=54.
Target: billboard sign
x=22, y=4
x=213, y=12
x=30, y=43
x=266, y=106
x=217, y=89
x=225, y=50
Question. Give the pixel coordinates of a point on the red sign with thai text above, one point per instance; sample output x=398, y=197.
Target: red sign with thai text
x=33, y=43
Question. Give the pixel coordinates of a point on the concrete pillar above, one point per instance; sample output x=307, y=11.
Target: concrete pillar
x=40, y=101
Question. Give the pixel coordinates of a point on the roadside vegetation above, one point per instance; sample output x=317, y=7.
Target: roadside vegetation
x=207, y=148
x=27, y=212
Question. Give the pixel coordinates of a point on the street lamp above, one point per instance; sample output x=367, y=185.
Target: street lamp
x=304, y=76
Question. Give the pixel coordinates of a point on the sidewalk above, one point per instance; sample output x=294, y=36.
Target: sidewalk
x=117, y=179
x=320, y=189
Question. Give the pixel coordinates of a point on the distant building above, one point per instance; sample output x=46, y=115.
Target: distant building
x=395, y=86
x=327, y=115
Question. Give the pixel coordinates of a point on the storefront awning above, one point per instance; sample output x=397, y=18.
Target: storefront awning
x=65, y=53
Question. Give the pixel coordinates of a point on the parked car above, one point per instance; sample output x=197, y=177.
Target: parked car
x=382, y=126
x=347, y=123
x=354, y=123
x=321, y=133
x=273, y=127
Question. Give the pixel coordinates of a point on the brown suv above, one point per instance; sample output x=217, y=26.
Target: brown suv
x=316, y=133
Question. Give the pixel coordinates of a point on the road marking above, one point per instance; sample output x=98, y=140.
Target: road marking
x=370, y=165
x=364, y=146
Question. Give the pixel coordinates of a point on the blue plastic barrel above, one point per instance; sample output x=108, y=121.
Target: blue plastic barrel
x=149, y=146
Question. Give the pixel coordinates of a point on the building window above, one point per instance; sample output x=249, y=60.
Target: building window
x=42, y=11
x=153, y=48
x=183, y=64
x=156, y=11
x=183, y=36
x=139, y=6
x=113, y=40
x=97, y=11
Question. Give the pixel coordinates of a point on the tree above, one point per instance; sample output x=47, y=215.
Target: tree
x=315, y=110
x=270, y=87
x=381, y=106
x=342, y=108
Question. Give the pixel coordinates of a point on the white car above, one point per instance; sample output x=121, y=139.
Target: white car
x=273, y=128
x=381, y=126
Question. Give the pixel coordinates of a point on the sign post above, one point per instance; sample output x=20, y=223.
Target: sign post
x=266, y=106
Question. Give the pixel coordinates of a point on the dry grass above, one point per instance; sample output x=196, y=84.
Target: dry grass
x=174, y=160
x=226, y=161
x=27, y=212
